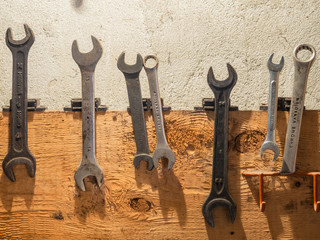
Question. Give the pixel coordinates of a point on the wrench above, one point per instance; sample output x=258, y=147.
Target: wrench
x=131, y=74
x=19, y=152
x=162, y=148
x=87, y=63
x=270, y=142
x=302, y=69
x=219, y=194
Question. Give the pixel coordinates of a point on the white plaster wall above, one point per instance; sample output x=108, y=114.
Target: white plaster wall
x=187, y=36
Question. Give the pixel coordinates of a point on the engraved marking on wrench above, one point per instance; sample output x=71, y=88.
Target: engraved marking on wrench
x=302, y=69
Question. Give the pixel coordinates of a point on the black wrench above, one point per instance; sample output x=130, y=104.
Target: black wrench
x=131, y=74
x=19, y=152
x=219, y=194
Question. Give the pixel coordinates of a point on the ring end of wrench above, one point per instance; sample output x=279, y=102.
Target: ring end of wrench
x=9, y=163
x=164, y=153
x=271, y=146
x=143, y=157
x=85, y=171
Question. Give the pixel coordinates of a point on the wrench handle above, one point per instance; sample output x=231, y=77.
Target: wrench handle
x=152, y=74
x=273, y=106
x=137, y=114
x=88, y=117
x=220, y=142
x=19, y=104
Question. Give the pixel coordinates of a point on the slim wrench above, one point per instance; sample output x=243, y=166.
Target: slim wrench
x=87, y=63
x=219, y=194
x=270, y=142
x=131, y=74
x=19, y=151
x=302, y=69
x=162, y=148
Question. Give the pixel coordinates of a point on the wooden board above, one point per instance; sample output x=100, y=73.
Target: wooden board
x=161, y=204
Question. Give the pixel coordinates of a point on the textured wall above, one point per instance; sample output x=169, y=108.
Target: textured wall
x=187, y=36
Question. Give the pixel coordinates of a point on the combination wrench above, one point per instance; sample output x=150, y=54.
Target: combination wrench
x=131, y=74
x=270, y=142
x=87, y=63
x=219, y=194
x=302, y=69
x=19, y=152
x=162, y=148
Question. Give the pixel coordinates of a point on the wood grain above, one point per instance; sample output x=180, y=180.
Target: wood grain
x=161, y=204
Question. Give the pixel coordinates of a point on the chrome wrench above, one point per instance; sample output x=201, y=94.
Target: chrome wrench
x=162, y=148
x=219, y=194
x=87, y=63
x=19, y=152
x=131, y=74
x=302, y=69
x=270, y=142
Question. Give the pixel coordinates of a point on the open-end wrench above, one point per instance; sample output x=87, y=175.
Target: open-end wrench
x=270, y=142
x=19, y=152
x=162, y=148
x=131, y=74
x=87, y=63
x=302, y=69
x=219, y=194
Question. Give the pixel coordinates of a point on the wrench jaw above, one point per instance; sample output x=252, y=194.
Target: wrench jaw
x=212, y=203
x=275, y=67
x=220, y=85
x=271, y=146
x=11, y=160
x=164, y=153
x=28, y=40
x=86, y=170
x=130, y=69
x=143, y=157
x=87, y=61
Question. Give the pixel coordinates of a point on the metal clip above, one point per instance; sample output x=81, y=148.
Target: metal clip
x=76, y=105
x=33, y=106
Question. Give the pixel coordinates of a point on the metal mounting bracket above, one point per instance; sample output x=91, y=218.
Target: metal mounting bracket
x=76, y=105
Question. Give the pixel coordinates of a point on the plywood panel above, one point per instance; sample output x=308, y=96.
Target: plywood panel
x=160, y=204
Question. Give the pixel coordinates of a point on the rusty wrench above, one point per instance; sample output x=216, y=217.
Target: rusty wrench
x=270, y=142
x=19, y=151
x=219, y=194
x=162, y=148
x=131, y=74
x=302, y=69
x=87, y=63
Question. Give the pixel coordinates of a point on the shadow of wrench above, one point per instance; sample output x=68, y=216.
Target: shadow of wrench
x=19, y=152
x=87, y=63
x=219, y=194
x=162, y=148
x=131, y=74
x=302, y=69
x=270, y=142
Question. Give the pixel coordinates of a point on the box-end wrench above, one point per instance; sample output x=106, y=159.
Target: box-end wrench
x=270, y=142
x=131, y=74
x=302, y=69
x=219, y=194
x=87, y=63
x=19, y=152
x=162, y=148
